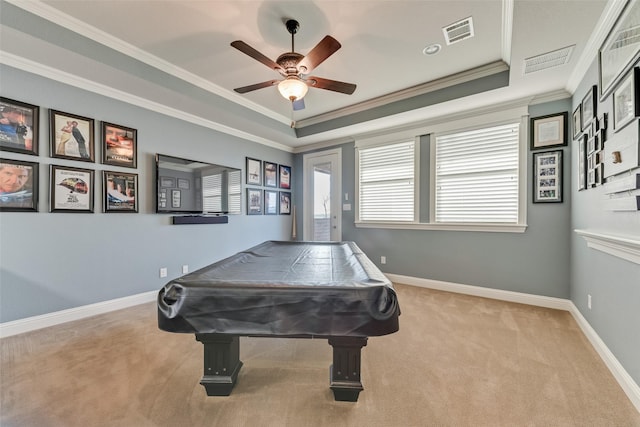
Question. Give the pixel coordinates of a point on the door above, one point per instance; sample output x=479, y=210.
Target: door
x=322, y=174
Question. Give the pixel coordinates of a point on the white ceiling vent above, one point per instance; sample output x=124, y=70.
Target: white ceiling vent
x=548, y=60
x=458, y=31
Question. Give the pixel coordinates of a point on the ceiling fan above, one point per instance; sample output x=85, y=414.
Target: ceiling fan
x=295, y=68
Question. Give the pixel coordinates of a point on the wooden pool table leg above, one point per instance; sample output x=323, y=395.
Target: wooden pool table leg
x=345, y=371
x=221, y=363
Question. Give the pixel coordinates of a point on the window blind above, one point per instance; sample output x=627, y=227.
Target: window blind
x=477, y=176
x=386, y=182
x=235, y=192
x=212, y=193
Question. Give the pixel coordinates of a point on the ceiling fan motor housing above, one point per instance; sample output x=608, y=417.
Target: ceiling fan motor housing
x=289, y=62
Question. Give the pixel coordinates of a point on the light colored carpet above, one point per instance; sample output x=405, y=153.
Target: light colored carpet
x=457, y=361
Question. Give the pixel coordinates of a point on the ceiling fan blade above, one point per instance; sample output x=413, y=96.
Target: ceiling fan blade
x=246, y=49
x=334, y=85
x=327, y=47
x=298, y=104
x=249, y=88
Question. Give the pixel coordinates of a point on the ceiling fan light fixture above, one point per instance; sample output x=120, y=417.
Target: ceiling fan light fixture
x=292, y=88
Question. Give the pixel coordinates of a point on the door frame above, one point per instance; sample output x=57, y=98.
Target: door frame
x=336, y=190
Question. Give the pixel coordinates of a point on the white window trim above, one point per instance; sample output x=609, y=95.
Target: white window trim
x=467, y=121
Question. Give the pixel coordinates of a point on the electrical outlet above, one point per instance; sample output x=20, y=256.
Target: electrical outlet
x=163, y=272
x=589, y=301
x=185, y=269
x=383, y=259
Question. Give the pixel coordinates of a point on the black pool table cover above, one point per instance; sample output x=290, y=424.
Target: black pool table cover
x=276, y=288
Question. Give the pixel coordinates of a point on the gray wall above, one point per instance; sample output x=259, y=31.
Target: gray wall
x=535, y=262
x=56, y=261
x=613, y=283
x=548, y=259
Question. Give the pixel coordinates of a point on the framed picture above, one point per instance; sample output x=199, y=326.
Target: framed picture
x=18, y=126
x=162, y=199
x=270, y=202
x=626, y=105
x=120, y=192
x=620, y=49
x=285, y=176
x=167, y=182
x=254, y=171
x=582, y=163
x=71, y=136
x=547, y=177
x=18, y=186
x=71, y=189
x=549, y=131
x=183, y=183
x=270, y=174
x=285, y=203
x=119, y=145
x=254, y=201
x=577, y=122
x=588, y=106
x=175, y=198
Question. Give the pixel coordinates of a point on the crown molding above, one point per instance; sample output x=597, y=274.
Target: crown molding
x=100, y=89
x=51, y=14
x=610, y=14
x=454, y=79
x=556, y=95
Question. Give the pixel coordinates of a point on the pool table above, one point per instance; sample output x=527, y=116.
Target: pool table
x=283, y=289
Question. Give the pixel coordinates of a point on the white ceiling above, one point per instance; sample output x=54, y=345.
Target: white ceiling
x=177, y=54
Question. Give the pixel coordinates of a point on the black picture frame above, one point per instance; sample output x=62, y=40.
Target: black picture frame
x=582, y=163
x=119, y=145
x=271, y=202
x=19, y=132
x=167, y=182
x=18, y=186
x=254, y=201
x=547, y=177
x=71, y=189
x=285, y=203
x=254, y=171
x=576, y=122
x=270, y=174
x=589, y=106
x=120, y=192
x=176, y=198
x=626, y=100
x=184, y=183
x=284, y=180
x=548, y=131
x=77, y=131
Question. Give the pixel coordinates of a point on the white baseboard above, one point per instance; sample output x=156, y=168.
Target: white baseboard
x=629, y=386
x=620, y=374
x=28, y=324
x=478, y=291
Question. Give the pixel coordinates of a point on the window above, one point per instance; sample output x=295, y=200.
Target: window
x=235, y=192
x=212, y=193
x=476, y=176
x=386, y=181
x=213, y=196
